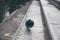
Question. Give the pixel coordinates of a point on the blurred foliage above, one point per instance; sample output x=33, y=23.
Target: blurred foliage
x=9, y=5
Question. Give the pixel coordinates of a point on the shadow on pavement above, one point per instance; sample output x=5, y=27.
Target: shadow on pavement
x=28, y=35
x=47, y=34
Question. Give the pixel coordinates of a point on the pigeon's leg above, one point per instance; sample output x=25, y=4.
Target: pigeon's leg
x=28, y=29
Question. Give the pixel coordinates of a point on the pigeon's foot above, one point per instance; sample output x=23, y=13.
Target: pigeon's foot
x=28, y=29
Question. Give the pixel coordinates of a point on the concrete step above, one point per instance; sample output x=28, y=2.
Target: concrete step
x=53, y=19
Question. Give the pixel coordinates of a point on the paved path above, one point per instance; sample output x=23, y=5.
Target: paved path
x=53, y=18
x=36, y=32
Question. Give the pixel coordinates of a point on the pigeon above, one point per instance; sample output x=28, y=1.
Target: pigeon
x=29, y=24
